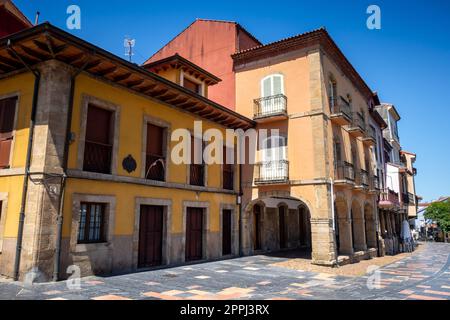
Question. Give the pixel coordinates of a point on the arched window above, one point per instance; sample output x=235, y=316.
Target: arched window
x=272, y=85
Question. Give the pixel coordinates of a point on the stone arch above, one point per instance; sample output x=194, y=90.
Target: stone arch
x=358, y=226
x=343, y=230
x=257, y=222
x=370, y=225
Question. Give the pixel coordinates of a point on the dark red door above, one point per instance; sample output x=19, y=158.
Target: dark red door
x=282, y=226
x=226, y=232
x=194, y=234
x=150, y=236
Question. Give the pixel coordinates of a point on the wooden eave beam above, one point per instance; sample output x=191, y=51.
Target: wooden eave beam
x=105, y=72
x=33, y=53
x=122, y=77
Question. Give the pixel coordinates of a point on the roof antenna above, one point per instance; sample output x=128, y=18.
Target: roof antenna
x=129, y=45
x=36, y=20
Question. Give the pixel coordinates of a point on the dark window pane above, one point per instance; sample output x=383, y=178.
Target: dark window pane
x=191, y=85
x=91, y=228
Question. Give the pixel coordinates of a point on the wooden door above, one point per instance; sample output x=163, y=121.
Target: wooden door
x=282, y=226
x=194, y=234
x=226, y=232
x=150, y=236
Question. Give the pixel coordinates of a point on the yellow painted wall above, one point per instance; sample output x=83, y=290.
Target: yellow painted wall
x=133, y=109
x=125, y=202
x=23, y=86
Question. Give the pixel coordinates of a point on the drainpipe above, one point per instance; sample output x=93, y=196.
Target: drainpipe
x=37, y=80
x=59, y=223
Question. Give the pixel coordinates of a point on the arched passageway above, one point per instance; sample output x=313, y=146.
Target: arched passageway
x=343, y=228
x=370, y=226
x=358, y=225
x=279, y=223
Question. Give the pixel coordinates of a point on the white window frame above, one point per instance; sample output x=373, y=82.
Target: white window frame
x=272, y=76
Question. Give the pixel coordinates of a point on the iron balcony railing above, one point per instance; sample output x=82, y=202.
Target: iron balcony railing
x=97, y=157
x=411, y=198
x=154, y=167
x=345, y=171
x=337, y=107
x=358, y=121
x=272, y=171
x=270, y=106
x=197, y=175
x=389, y=199
x=371, y=133
x=375, y=183
x=362, y=179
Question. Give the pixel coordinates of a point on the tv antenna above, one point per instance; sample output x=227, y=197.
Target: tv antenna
x=129, y=45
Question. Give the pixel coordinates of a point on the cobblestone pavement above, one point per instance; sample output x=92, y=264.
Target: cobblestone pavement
x=424, y=275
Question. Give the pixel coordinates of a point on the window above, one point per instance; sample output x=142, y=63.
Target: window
x=98, y=144
x=197, y=168
x=337, y=152
x=272, y=85
x=333, y=94
x=228, y=169
x=274, y=158
x=7, y=114
x=92, y=223
x=191, y=85
x=155, y=153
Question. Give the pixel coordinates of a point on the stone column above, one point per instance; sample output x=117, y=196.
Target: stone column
x=39, y=237
x=345, y=236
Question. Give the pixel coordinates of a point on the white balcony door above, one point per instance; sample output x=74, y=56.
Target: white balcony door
x=271, y=86
x=274, y=156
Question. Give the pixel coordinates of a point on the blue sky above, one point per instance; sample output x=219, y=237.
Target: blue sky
x=407, y=62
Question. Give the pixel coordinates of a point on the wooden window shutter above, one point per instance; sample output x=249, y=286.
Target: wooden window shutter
x=7, y=114
x=98, y=144
x=98, y=126
x=155, y=140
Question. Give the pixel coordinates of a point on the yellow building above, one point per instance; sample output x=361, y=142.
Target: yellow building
x=314, y=185
x=85, y=175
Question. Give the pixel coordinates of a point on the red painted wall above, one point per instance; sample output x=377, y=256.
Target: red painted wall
x=9, y=23
x=210, y=44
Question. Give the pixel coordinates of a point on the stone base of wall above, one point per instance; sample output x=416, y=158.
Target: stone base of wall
x=7, y=257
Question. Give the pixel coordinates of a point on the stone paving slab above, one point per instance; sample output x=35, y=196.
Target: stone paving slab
x=424, y=275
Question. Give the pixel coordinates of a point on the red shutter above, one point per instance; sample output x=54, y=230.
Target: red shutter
x=7, y=113
x=155, y=140
x=98, y=126
x=98, y=146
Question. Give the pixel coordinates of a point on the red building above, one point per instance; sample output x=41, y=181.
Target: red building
x=12, y=20
x=210, y=44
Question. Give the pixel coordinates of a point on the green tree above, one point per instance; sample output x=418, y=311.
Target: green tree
x=440, y=212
